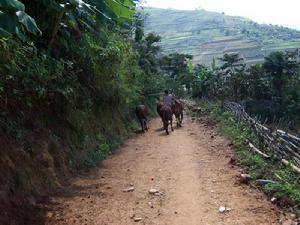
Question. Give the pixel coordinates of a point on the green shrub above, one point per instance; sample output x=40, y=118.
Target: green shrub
x=96, y=156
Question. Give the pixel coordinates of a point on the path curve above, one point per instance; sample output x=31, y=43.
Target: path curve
x=189, y=168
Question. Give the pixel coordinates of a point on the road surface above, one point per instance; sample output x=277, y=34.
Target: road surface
x=189, y=169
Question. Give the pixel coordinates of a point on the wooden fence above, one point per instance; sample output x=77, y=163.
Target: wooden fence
x=278, y=144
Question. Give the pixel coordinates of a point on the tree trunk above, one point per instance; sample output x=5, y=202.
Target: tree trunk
x=54, y=29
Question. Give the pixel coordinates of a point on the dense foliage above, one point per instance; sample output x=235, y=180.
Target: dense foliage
x=76, y=72
x=71, y=74
x=270, y=90
x=52, y=15
x=176, y=70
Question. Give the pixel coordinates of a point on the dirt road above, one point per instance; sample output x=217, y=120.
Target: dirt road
x=189, y=168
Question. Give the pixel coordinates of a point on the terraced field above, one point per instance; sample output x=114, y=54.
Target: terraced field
x=207, y=35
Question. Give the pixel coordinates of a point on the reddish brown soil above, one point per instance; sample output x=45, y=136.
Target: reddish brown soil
x=189, y=168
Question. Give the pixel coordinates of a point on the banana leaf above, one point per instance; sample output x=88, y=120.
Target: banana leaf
x=11, y=5
x=52, y=4
x=120, y=10
x=8, y=22
x=4, y=33
x=28, y=22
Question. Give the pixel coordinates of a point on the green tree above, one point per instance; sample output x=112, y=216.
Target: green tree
x=176, y=70
x=147, y=49
x=257, y=83
x=50, y=16
x=233, y=69
x=280, y=66
x=202, y=78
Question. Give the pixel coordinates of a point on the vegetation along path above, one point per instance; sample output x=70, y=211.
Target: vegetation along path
x=188, y=172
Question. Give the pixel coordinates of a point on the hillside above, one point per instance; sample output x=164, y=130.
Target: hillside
x=207, y=34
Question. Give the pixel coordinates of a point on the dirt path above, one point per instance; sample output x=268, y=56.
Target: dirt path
x=189, y=167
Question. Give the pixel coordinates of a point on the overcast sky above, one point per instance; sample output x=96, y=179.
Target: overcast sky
x=282, y=12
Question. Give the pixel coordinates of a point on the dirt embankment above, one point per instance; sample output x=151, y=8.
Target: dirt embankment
x=189, y=170
x=28, y=171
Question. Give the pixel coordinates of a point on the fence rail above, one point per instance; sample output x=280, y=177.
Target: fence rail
x=278, y=143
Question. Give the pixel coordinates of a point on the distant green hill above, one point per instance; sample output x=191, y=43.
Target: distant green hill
x=207, y=35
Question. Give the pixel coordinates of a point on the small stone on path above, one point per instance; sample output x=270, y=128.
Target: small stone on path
x=245, y=178
x=223, y=209
x=153, y=191
x=137, y=219
x=130, y=189
x=273, y=199
x=49, y=214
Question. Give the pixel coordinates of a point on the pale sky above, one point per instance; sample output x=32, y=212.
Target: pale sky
x=281, y=12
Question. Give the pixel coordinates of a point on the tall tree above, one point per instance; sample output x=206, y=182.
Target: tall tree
x=233, y=69
x=280, y=66
x=176, y=68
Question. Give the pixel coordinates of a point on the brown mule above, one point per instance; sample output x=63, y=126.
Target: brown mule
x=167, y=117
x=141, y=112
x=177, y=110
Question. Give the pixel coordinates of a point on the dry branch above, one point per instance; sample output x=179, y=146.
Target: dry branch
x=253, y=148
x=294, y=168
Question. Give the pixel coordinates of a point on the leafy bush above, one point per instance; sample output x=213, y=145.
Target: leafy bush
x=92, y=159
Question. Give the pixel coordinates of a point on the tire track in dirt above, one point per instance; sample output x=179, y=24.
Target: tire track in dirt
x=189, y=167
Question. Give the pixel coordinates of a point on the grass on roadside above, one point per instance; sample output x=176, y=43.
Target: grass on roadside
x=287, y=184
